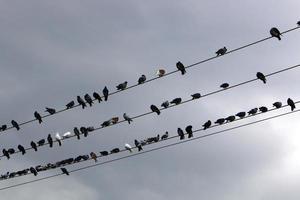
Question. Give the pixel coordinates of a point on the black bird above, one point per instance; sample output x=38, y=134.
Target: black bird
x=180, y=133
x=77, y=159
x=88, y=99
x=165, y=104
x=76, y=132
x=15, y=124
x=156, y=139
x=224, y=85
x=221, y=51
x=11, y=151
x=6, y=154
x=71, y=104
x=291, y=103
x=206, y=125
x=21, y=149
x=64, y=171
x=142, y=79
x=176, y=101
x=180, y=67
x=122, y=86
x=104, y=153
x=165, y=136
x=90, y=128
x=33, y=145
x=263, y=109
x=51, y=111
x=138, y=145
x=262, y=77
x=275, y=33
x=85, y=157
x=220, y=121
x=241, y=114
x=277, y=104
x=84, y=131
x=196, y=96
x=81, y=102
x=38, y=116
x=3, y=127
x=298, y=23
x=230, y=118
x=50, y=140
x=115, y=150
x=106, y=123
x=189, y=130
x=253, y=111
x=155, y=109
x=41, y=142
x=33, y=170
x=97, y=96
x=105, y=93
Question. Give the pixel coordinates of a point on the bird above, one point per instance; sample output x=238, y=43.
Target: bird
x=263, y=109
x=64, y=171
x=103, y=153
x=127, y=118
x=291, y=103
x=51, y=111
x=6, y=154
x=15, y=124
x=275, y=33
x=38, y=117
x=93, y=156
x=155, y=109
x=165, y=104
x=224, y=85
x=253, y=111
x=115, y=120
x=70, y=104
x=176, y=101
x=128, y=147
x=180, y=67
x=88, y=99
x=66, y=135
x=206, y=125
x=33, y=171
x=180, y=133
x=11, y=151
x=165, y=136
x=160, y=72
x=41, y=142
x=97, y=96
x=115, y=150
x=84, y=131
x=21, y=149
x=122, y=86
x=189, y=130
x=241, y=114
x=76, y=132
x=50, y=140
x=81, y=102
x=3, y=127
x=277, y=104
x=106, y=123
x=230, y=118
x=221, y=51
x=33, y=145
x=58, y=138
x=196, y=96
x=298, y=23
x=142, y=79
x=220, y=121
x=105, y=93
x=90, y=128
x=138, y=145
x=262, y=77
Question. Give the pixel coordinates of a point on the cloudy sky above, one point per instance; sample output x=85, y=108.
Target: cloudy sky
x=52, y=51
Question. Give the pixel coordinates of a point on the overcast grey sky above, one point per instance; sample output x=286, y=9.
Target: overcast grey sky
x=52, y=51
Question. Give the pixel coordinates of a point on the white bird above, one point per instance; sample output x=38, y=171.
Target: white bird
x=67, y=134
x=58, y=138
x=160, y=72
x=128, y=147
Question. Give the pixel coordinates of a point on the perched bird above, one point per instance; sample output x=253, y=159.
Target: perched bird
x=41, y=142
x=165, y=136
x=241, y=114
x=196, y=96
x=106, y=123
x=90, y=129
x=66, y=135
x=76, y=132
x=176, y=101
x=180, y=133
x=230, y=118
x=71, y=104
x=142, y=79
x=253, y=111
x=58, y=138
x=115, y=150
x=115, y=120
x=298, y=23
x=21, y=149
x=275, y=33
x=224, y=85
x=33, y=171
x=15, y=124
x=38, y=117
x=160, y=72
x=84, y=131
x=291, y=103
x=189, y=130
x=51, y=111
x=262, y=77
x=180, y=67
x=206, y=125
x=81, y=102
x=33, y=145
x=220, y=121
x=88, y=99
x=128, y=147
x=127, y=118
x=221, y=51
x=3, y=127
x=277, y=104
x=105, y=93
x=122, y=86
x=263, y=109
x=155, y=109
x=138, y=145
x=93, y=156
x=5, y=153
x=165, y=104
x=97, y=96
x=64, y=171
x=50, y=140
x=104, y=153
x=11, y=151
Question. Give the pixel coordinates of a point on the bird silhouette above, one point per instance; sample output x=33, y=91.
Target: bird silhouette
x=138, y=145
x=71, y=104
x=224, y=85
x=277, y=104
x=180, y=67
x=38, y=117
x=298, y=23
x=84, y=131
x=104, y=153
x=196, y=96
x=33, y=145
x=155, y=109
x=165, y=136
x=189, y=130
x=41, y=142
x=263, y=109
x=241, y=114
x=97, y=97
x=160, y=72
x=230, y=118
x=165, y=104
x=142, y=79
x=180, y=133
x=176, y=101
x=6, y=154
x=76, y=132
x=58, y=138
x=33, y=171
x=206, y=125
x=50, y=140
x=11, y=151
x=122, y=86
x=221, y=51
x=262, y=77
x=106, y=123
x=3, y=127
x=15, y=124
x=64, y=171
x=93, y=156
x=291, y=103
x=127, y=118
x=253, y=111
x=128, y=147
x=81, y=102
x=275, y=33
x=51, y=111
x=220, y=121
x=21, y=149
x=88, y=99
x=105, y=93
x=90, y=128
x=115, y=150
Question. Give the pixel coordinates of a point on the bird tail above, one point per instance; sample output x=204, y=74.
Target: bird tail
x=105, y=98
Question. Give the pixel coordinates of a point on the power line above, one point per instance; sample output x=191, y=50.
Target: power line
x=167, y=74
x=155, y=149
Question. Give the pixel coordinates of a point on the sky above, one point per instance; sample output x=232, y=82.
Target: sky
x=52, y=51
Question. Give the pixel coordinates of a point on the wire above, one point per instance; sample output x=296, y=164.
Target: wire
x=167, y=74
x=154, y=149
